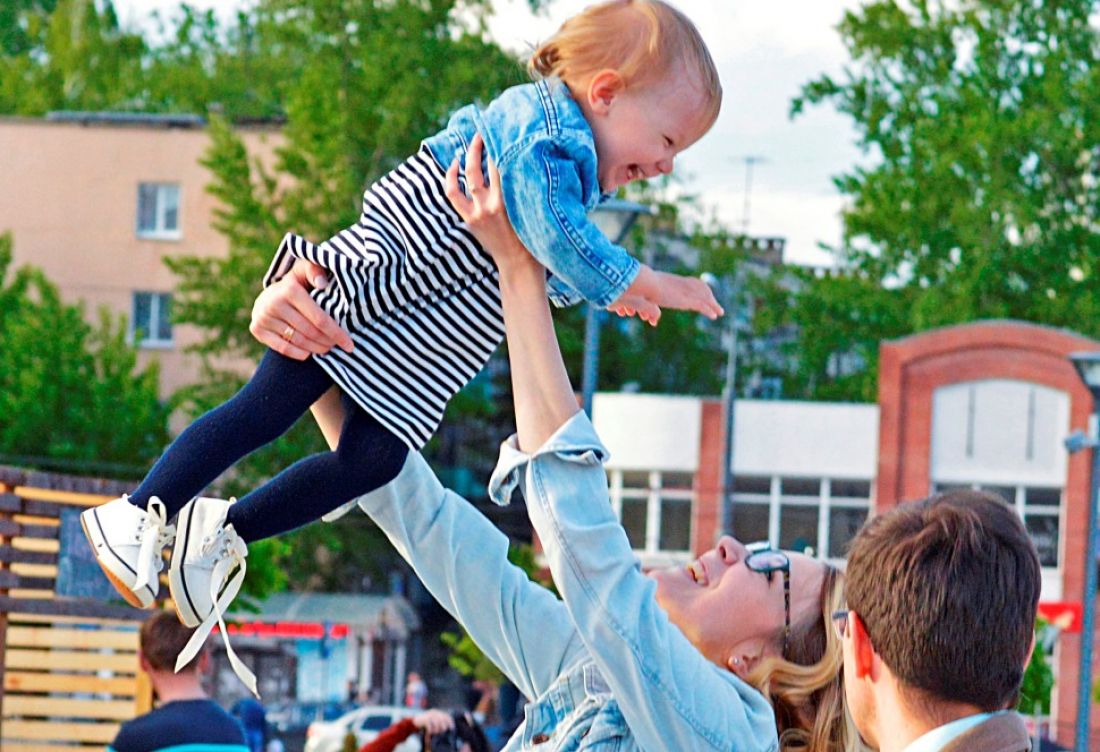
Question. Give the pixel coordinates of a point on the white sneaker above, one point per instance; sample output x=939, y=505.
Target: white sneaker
x=128, y=544
x=207, y=571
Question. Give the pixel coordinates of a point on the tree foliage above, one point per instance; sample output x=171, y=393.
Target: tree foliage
x=1038, y=683
x=67, y=55
x=72, y=396
x=978, y=197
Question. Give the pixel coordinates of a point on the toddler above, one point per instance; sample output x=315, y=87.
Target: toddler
x=620, y=90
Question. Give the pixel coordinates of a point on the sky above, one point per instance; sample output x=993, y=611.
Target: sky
x=765, y=52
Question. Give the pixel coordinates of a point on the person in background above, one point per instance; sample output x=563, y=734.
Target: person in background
x=940, y=624
x=416, y=691
x=440, y=729
x=253, y=720
x=185, y=718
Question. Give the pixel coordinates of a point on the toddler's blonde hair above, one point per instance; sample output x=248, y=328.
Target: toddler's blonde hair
x=642, y=40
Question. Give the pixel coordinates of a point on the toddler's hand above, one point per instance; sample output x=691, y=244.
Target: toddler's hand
x=637, y=305
x=687, y=294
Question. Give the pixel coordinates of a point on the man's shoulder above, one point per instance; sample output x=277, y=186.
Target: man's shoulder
x=1003, y=732
x=184, y=726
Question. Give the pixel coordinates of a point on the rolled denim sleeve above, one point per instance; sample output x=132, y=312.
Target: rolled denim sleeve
x=462, y=559
x=671, y=696
x=545, y=196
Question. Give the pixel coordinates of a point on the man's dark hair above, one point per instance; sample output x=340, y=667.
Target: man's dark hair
x=162, y=638
x=948, y=588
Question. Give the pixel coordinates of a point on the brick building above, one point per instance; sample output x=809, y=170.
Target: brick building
x=983, y=405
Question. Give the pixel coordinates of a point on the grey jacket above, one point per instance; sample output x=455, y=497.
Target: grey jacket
x=1004, y=732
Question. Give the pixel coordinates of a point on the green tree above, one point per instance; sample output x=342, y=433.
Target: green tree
x=1038, y=678
x=13, y=34
x=979, y=197
x=67, y=55
x=72, y=396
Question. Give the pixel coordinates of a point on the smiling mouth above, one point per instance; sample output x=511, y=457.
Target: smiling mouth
x=697, y=572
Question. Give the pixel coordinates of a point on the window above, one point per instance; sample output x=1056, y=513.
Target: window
x=816, y=515
x=158, y=210
x=1039, y=506
x=655, y=509
x=151, y=320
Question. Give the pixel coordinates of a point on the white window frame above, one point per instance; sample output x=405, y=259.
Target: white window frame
x=655, y=494
x=824, y=501
x=1025, y=510
x=159, y=231
x=150, y=340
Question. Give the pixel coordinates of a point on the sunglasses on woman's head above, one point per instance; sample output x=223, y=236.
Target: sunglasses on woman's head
x=764, y=559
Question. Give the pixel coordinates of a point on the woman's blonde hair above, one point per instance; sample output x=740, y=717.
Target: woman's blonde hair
x=642, y=40
x=806, y=687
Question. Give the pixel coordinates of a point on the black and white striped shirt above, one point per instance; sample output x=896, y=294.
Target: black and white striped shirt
x=416, y=292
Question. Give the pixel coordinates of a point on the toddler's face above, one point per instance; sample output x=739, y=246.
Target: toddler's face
x=643, y=128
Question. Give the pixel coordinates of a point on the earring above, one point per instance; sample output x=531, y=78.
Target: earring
x=736, y=661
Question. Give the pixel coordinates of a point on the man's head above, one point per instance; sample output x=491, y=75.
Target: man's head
x=162, y=637
x=942, y=593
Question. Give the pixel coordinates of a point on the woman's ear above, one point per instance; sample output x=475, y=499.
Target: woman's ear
x=602, y=90
x=744, y=658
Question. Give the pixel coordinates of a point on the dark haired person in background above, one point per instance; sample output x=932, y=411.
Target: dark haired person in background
x=940, y=624
x=185, y=718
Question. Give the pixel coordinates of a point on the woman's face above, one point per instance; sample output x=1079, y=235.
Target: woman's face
x=726, y=609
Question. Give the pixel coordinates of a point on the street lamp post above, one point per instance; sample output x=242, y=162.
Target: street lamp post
x=614, y=217
x=1088, y=368
x=728, y=291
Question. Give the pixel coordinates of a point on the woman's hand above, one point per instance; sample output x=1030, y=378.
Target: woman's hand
x=289, y=321
x=544, y=398
x=484, y=211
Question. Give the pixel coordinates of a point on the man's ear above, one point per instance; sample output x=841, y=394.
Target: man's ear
x=143, y=663
x=863, y=652
x=602, y=90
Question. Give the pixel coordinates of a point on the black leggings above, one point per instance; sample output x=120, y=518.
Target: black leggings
x=367, y=457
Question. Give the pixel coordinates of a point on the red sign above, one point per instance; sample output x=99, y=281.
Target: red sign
x=1066, y=615
x=302, y=630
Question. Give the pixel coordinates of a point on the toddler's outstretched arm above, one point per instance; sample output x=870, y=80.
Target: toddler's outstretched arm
x=652, y=290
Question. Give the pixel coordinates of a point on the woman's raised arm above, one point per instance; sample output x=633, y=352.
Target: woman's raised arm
x=543, y=395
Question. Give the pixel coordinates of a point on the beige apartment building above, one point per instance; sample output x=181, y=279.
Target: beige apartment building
x=98, y=200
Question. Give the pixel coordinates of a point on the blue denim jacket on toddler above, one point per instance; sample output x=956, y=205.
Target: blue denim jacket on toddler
x=544, y=149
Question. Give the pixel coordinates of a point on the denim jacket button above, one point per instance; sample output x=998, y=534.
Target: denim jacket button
x=540, y=738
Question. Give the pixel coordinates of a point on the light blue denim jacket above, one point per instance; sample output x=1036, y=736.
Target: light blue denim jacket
x=543, y=147
x=604, y=668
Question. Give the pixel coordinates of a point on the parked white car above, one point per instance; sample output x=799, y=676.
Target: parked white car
x=365, y=723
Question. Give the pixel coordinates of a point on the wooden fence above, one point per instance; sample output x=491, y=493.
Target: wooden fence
x=68, y=661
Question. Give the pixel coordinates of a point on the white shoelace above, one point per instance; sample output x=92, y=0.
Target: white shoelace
x=227, y=551
x=155, y=534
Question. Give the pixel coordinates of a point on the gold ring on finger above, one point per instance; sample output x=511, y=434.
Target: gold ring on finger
x=288, y=333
